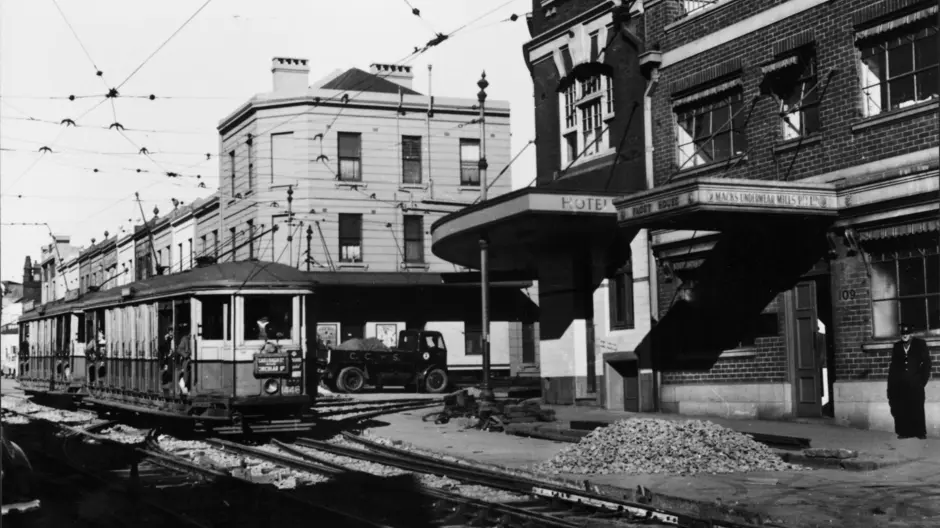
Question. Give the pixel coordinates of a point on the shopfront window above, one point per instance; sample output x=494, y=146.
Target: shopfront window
x=267, y=315
x=905, y=288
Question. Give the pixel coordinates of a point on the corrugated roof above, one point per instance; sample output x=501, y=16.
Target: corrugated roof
x=355, y=79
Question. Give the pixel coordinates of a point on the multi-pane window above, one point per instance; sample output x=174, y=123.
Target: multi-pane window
x=620, y=290
x=905, y=288
x=571, y=112
x=900, y=69
x=350, y=238
x=592, y=127
x=585, y=105
x=350, y=156
x=414, y=238
x=707, y=133
x=609, y=83
x=282, y=155
x=799, y=101
x=469, y=162
x=215, y=243
x=687, y=7
x=411, y=159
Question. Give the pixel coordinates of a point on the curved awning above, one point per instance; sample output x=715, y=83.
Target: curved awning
x=720, y=204
x=525, y=224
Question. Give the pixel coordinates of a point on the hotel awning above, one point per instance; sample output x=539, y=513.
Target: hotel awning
x=395, y=279
x=770, y=234
x=525, y=224
x=719, y=204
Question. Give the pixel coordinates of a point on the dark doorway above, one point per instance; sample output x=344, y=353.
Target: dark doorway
x=630, y=373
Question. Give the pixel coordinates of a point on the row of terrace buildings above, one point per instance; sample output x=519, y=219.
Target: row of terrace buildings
x=341, y=178
x=736, y=204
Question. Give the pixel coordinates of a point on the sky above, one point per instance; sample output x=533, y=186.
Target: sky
x=86, y=185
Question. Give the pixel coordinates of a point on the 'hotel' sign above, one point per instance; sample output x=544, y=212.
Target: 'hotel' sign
x=587, y=204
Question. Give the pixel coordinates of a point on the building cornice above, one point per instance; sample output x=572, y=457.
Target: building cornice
x=410, y=104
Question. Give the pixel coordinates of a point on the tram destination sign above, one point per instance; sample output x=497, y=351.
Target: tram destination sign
x=271, y=365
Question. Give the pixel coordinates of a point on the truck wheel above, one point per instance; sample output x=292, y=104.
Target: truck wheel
x=436, y=381
x=350, y=379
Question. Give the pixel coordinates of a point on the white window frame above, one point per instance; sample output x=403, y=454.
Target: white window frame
x=573, y=105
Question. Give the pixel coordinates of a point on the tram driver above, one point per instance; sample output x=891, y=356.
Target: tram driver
x=268, y=347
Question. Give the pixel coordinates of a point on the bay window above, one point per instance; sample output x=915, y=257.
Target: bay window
x=585, y=107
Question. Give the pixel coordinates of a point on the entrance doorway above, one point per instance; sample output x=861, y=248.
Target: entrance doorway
x=812, y=347
x=629, y=372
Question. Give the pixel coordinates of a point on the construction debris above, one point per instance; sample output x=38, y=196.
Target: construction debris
x=656, y=446
x=822, y=452
x=472, y=412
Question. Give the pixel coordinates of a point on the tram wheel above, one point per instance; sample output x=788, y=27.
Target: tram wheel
x=351, y=379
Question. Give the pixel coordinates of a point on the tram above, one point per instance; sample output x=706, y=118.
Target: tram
x=221, y=345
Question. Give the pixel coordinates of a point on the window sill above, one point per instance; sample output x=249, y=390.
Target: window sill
x=717, y=6
x=711, y=167
x=739, y=353
x=415, y=266
x=468, y=188
x=791, y=144
x=412, y=186
x=351, y=184
x=609, y=151
x=616, y=328
x=881, y=344
x=894, y=116
x=588, y=99
x=361, y=266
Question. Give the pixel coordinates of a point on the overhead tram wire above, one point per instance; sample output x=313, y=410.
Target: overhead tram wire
x=161, y=46
x=98, y=72
x=513, y=160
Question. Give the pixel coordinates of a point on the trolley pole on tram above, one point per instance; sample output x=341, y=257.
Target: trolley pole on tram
x=485, y=389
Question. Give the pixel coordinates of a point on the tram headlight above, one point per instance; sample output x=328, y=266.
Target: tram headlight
x=271, y=386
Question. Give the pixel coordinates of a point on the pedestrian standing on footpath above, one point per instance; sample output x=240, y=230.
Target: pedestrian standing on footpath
x=907, y=381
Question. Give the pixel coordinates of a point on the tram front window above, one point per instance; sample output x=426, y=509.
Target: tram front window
x=266, y=316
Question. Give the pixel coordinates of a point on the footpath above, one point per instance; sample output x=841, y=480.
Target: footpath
x=891, y=483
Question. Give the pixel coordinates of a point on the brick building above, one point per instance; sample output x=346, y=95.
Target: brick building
x=593, y=297
x=795, y=208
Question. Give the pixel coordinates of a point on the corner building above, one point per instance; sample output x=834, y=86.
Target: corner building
x=594, y=283
x=795, y=206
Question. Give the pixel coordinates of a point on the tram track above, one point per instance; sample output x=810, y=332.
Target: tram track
x=144, y=486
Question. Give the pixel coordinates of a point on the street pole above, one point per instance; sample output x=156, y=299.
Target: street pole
x=309, y=237
x=486, y=390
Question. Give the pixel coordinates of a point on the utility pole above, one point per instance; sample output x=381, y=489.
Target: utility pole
x=309, y=237
x=290, y=224
x=486, y=390
x=153, y=250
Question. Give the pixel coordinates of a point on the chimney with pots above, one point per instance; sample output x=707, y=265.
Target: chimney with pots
x=290, y=74
x=400, y=75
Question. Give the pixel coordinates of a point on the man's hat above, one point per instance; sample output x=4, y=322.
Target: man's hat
x=906, y=329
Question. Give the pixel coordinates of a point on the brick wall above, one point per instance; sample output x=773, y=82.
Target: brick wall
x=839, y=146
x=767, y=366
x=628, y=87
x=557, y=12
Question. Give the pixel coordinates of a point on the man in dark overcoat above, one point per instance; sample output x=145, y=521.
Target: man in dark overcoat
x=907, y=380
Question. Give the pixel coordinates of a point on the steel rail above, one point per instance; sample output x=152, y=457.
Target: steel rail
x=305, y=462
x=532, y=486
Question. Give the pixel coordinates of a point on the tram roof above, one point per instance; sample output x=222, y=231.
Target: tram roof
x=227, y=276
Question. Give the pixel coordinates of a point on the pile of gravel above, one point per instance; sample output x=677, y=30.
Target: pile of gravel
x=672, y=447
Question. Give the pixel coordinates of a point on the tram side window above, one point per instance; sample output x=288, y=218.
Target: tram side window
x=215, y=315
x=278, y=311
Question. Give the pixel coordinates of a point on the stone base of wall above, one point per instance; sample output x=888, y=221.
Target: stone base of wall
x=566, y=390
x=740, y=400
x=864, y=405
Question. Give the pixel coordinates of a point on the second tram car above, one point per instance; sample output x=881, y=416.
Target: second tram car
x=222, y=345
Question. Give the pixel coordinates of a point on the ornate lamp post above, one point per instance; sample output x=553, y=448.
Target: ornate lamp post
x=486, y=389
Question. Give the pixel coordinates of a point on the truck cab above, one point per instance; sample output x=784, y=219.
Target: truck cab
x=418, y=362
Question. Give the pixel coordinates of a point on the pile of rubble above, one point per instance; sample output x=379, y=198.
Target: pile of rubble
x=470, y=412
x=124, y=434
x=656, y=446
